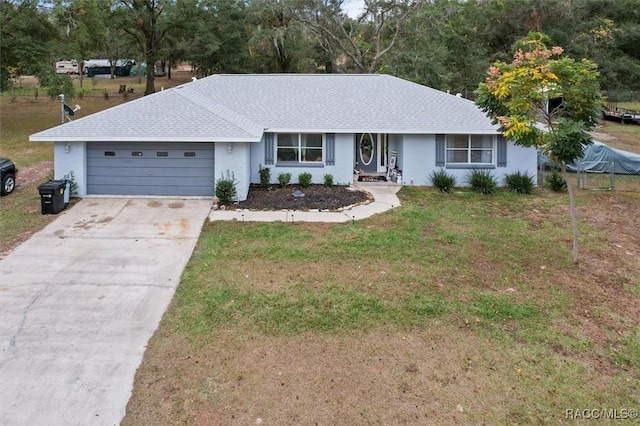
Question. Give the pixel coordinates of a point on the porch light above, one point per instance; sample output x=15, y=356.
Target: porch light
x=229, y=147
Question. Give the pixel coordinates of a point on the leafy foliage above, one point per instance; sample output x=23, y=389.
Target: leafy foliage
x=517, y=96
x=226, y=188
x=265, y=176
x=520, y=183
x=556, y=181
x=284, y=179
x=328, y=180
x=304, y=179
x=26, y=36
x=73, y=183
x=442, y=180
x=482, y=181
x=57, y=84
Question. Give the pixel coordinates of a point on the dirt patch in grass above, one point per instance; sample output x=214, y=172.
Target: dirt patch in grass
x=621, y=136
x=293, y=197
x=20, y=212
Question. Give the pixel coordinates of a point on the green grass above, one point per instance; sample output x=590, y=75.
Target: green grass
x=332, y=309
x=453, y=267
x=629, y=105
x=432, y=256
x=461, y=275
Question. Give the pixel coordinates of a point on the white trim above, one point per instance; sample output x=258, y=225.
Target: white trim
x=374, y=150
x=382, y=153
x=295, y=163
x=469, y=149
x=388, y=131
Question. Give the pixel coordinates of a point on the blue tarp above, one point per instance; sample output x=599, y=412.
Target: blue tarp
x=597, y=158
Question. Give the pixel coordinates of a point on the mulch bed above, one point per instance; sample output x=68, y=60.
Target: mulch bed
x=316, y=197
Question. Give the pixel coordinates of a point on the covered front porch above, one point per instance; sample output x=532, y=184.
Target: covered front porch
x=375, y=156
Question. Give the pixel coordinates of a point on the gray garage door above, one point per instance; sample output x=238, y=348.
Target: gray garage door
x=150, y=168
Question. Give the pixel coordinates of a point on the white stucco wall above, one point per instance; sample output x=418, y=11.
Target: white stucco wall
x=342, y=170
x=236, y=161
x=71, y=157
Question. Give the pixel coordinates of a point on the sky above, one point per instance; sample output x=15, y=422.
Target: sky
x=352, y=7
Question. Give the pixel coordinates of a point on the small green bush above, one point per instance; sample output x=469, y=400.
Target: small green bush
x=226, y=188
x=57, y=84
x=328, y=180
x=304, y=179
x=520, y=183
x=482, y=181
x=442, y=180
x=265, y=176
x=73, y=184
x=284, y=179
x=556, y=181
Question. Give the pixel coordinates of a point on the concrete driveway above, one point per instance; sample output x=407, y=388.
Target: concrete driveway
x=79, y=302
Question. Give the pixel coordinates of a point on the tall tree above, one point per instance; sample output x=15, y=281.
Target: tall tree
x=364, y=40
x=144, y=21
x=516, y=95
x=83, y=27
x=276, y=38
x=219, y=39
x=26, y=40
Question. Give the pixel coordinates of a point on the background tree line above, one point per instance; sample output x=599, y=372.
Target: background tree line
x=445, y=44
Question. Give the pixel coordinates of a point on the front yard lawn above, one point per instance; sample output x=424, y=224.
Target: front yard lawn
x=453, y=309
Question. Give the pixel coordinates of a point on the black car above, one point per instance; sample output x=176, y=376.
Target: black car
x=7, y=176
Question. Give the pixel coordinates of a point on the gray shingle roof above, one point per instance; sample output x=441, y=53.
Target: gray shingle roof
x=240, y=107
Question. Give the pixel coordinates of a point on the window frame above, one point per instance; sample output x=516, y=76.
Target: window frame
x=469, y=150
x=299, y=149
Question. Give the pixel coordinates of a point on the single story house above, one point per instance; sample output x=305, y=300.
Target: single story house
x=181, y=140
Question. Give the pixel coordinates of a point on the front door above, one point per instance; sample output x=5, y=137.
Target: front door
x=367, y=152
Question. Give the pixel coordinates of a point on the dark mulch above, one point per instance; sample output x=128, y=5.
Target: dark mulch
x=315, y=197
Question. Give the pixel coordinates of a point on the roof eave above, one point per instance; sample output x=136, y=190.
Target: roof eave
x=143, y=139
x=388, y=131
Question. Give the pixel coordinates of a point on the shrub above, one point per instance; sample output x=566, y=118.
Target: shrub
x=520, y=183
x=265, y=176
x=284, y=179
x=226, y=188
x=57, y=84
x=73, y=184
x=482, y=181
x=304, y=179
x=328, y=180
x=442, y=180
x=556, y=181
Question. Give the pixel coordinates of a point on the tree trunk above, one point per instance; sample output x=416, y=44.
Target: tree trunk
x=151, y=85
x=572, y=210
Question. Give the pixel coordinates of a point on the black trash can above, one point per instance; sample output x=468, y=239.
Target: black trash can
x=52, y=196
